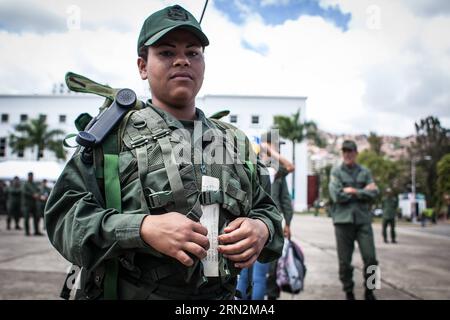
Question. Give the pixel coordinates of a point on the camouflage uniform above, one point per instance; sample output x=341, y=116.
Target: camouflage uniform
x=352, y=219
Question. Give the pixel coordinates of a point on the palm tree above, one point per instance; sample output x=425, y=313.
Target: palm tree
x=35, y=133
x=293, y=129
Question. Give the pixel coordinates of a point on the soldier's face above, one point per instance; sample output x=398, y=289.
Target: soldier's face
x=349, y=156
x=175, y=69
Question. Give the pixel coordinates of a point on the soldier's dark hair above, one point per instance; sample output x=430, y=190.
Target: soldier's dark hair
x=143, y=52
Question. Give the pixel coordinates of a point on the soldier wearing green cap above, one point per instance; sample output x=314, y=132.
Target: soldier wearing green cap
x=352, y=190
x=155, y=246
x=390, y=207
x=30, y=192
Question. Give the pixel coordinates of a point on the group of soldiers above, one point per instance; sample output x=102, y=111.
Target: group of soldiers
x=25, y=199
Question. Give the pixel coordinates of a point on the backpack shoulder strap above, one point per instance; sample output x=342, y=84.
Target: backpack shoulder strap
x=113, y=200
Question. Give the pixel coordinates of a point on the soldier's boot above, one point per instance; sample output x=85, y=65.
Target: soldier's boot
x=368, y=295
x=37, y=231
x=386, y=240
x=8, y=224
x=26, y=223
x=349, y=295
x=394, y=241
x=17, y=223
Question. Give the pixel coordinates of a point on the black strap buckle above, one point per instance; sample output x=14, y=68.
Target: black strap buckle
x=139, y=142
x=160, y=133
x=159, y=199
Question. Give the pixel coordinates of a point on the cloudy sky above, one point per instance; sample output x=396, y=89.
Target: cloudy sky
x=375, y=65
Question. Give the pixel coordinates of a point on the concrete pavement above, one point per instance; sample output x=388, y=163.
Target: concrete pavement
x=418, y=267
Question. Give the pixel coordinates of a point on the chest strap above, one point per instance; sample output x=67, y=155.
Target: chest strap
x=173, y=174
x=148, y=125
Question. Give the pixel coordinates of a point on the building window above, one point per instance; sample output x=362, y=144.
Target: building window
x=2, y=147
x=62, y=118
x=255, y=119
x=43, y=117
x=23, y=118
x=233, y=118
x=5, y=118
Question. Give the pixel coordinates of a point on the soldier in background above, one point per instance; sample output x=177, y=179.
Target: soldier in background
x=390, y=205
x=352, y=189
x=13, y=194
x=260, y=279
x=44, y=192
x=2, y=197
x=282, y=198
x=30, y=196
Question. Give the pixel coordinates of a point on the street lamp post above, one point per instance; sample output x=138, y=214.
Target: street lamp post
x=414, y=160
x=413, y=189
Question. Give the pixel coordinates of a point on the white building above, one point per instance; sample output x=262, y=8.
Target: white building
x=252, y=114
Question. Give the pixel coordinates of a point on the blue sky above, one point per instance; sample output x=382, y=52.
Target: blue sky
x=276, y=12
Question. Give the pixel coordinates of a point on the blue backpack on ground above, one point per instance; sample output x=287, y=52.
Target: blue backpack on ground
x=291, y=269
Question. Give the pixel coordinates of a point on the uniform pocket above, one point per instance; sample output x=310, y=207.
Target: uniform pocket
x=157, y=179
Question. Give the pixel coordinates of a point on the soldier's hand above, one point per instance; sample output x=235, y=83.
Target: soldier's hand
x=287, y=232
x=371, y=186
x=350, y=190
x=175, y=235
x=243, y=240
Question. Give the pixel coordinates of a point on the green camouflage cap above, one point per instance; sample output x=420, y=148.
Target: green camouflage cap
x=165, y=20
x=349, y=145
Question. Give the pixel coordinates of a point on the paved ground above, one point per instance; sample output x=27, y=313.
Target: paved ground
x=416, y=268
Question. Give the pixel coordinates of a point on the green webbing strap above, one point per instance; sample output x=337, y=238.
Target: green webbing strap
x=112, y=184
x=113, y=200
x=137, y=131
x=173, y=174
x=250, y=167
x=78, y=83
x=220, y=114
x=142, y=162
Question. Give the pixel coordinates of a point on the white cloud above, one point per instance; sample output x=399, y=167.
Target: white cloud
x=366, y=79
x=265, y=3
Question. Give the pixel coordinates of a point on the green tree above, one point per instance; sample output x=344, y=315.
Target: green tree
x=296, y=131
x=36, y=134
x=443, y=180
x=432, y=143
x=375, y=143
x=324, y=176
x=384, y=171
